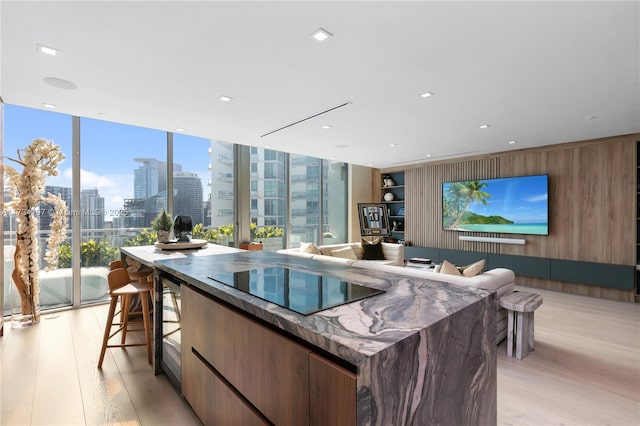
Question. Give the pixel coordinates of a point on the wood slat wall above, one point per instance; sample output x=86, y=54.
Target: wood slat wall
x=592, y=204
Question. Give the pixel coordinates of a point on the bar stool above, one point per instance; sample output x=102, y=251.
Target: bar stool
x=135, y=276
x=121, y=288
x=141, y=277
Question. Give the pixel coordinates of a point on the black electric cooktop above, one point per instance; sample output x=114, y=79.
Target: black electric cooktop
x=299, y=291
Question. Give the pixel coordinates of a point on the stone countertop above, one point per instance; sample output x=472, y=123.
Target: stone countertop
x=147, y=255
x=352, y=332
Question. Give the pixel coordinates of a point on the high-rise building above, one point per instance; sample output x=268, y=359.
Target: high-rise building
x=221, y=183
x=151, y=177
x=46, y=210
x=187, y=196
x=92, y=212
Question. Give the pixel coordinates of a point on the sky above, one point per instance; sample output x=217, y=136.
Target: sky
x=520, y=199
x=107, y=150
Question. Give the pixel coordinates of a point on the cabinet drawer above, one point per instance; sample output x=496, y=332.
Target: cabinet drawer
x=217, y=404
x=269, y=369
x=332, y=393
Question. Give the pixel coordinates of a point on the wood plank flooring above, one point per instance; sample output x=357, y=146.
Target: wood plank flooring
x=585, y=370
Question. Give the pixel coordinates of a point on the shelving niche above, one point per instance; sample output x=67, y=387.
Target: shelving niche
x=395, y=206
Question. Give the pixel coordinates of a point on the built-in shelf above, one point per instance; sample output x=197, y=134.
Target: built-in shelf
x=395, y=206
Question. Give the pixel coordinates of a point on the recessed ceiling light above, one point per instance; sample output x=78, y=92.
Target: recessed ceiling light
x=326, y=127
x=428, y=155
x=46, y=105
x=392, y=145
x=46, y=50
x=426, y=94
x=321, y=34
x=60, y=83
x=512, y=142
x=266, y=145
x=484, y=126
x=179, y=129
x=225, y=98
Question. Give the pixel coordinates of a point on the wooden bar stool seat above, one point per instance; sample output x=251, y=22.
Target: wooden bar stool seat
x=121, y=289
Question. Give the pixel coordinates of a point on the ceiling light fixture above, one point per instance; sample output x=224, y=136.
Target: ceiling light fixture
x=512, y=142
x=46, y=105
x=225, y=98
x=326, y=127
x=591, y=117
x=484, y=126
x=46, y=50
x=179, y=129
x=426, y=94
x=321, y=34
x=428, y=155
x=392, y=145
x=266, y=146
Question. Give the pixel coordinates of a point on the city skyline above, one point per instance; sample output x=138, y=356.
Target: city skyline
x=114, y=179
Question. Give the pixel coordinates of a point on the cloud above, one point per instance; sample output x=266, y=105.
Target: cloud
x=114, y=188
x=537, y=198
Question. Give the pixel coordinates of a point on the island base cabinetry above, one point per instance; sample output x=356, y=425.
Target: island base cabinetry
x=236, y=370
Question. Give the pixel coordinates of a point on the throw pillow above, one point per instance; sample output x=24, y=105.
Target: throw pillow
x=372, y=250
x=345, y=253
x=449, y=268
x=473, y=269
x=309, y=248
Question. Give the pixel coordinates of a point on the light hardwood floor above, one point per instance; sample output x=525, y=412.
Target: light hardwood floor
x=585, y=370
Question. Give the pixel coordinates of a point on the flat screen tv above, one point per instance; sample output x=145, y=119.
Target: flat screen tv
x=513, y=205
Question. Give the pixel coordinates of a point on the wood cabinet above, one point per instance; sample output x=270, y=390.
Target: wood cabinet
x=247, y=367
x=332, y=392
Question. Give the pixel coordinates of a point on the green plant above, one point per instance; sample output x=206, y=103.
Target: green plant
x=145, y=238
x=162, y=222
x=92, y=253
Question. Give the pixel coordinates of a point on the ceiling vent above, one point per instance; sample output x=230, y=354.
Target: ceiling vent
x=306, y=118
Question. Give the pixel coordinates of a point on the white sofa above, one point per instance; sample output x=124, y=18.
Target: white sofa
x=500, y=280
x=393, y=254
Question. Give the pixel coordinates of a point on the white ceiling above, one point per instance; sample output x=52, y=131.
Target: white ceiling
x=533, y=71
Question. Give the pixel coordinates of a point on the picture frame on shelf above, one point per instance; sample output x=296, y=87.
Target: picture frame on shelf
x=374, y=219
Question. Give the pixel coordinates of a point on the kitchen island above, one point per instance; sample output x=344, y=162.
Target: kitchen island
x=422, y=352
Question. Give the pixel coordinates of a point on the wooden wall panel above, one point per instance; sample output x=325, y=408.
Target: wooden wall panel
x=591, y=200
x=592, y=203
x=423, y=204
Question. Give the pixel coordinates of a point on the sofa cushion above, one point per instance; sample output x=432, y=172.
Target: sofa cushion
x=345, y=253
x=372, y=250
x=473, y=269
x=449, y=268
x=309, y=248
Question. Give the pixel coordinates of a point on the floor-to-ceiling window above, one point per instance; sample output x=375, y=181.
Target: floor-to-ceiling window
x=123, y=187
x=203, y=187
x=21, y=127
x=334, y=200
x=268, y=197
x=121, y=183
x=318, y=199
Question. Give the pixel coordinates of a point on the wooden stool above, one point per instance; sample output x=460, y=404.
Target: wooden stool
x=121, y=288
x=521, y=306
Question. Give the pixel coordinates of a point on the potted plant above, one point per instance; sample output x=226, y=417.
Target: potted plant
x=162, y=225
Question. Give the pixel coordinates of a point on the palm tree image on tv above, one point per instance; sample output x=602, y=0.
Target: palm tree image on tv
x=507, y=205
